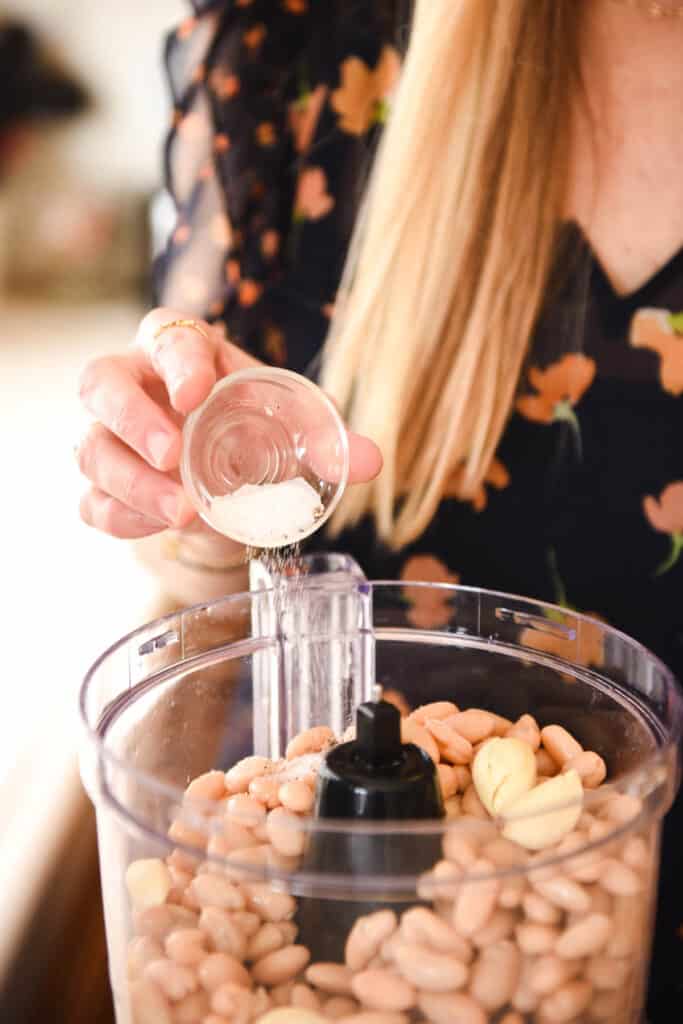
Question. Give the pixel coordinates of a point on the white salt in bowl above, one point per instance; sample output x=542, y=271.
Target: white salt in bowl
x=265, y=457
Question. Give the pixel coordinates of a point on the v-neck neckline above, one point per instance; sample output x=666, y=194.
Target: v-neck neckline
x=635, y=297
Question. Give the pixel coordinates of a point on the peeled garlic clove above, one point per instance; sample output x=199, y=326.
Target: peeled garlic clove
x=532, y=820
x=292, y=1015
x=149, y=883
x=503, y=770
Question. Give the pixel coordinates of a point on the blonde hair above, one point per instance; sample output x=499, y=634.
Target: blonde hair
x=452, y=255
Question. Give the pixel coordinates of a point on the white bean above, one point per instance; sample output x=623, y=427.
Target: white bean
x=474, y=724
x=213, y=891
x=186, y=946
x=453, y=747
x=158, y=922
x=585, y=938
x=339, y=1006
x=280, y=966
x=192, y=1008
x=383, y=990
x=270, y=904
x=619, y=879
x=235, y=837
x=266, y=940
x=539, y=909
x=232, y=1001
x=441, y=883
x=499, y=926
x=149, y=1003
x=451, y=1008
x=142, y=950
x=560, y=744
x=526, y=729
x=225, y=934
x=563, y=892
x=311, y=741
x=219, y=968
x=524, y=999
x=636, y=853
x=175, y=981
x=458, y=849
x=495, y=975
x=209, y=786
x=285, y=831
x=590, y=767
x=266, y=789
x=305, y=998
x=512, y=892
x=437, y=709
x=367, y=935
x=433, y=972
x=297, y=796
x=422, y=926
x=476, y=900
x=567, y=1002
x=545, y=766
x=622, y=808
x=289, y=931
x=505, y=853
x=241, y=774
x=472, y=805
x=548, y=973
x=534, y=939
x=245, y=810
x=448, y=780
x=413, y=732
x=247, y=921
x=333, y=978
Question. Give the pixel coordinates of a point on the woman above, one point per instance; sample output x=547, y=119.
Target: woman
x=509, y=329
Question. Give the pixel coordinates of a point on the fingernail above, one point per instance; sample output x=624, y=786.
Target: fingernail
x=159, y=445
x=171, y=506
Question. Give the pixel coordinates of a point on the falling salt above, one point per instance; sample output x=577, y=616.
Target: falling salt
x=268, y=515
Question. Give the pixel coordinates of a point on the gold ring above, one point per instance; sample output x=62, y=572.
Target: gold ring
x=194, y=325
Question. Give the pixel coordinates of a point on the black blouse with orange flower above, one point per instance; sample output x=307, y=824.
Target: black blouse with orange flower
x=278, y=109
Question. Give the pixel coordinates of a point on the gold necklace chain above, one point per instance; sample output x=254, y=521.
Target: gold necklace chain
x=654, y=8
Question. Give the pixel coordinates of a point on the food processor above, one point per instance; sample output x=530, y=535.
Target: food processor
x=299, y=795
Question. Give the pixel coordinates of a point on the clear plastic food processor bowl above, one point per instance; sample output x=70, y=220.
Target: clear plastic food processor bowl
x=204, y=891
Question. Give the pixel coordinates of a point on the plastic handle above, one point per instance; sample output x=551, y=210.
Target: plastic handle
x=320, y=664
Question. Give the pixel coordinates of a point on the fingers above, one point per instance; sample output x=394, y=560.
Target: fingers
x=184, y=357
x=365, y=459
x=111, y=516
x=117, y=471
x=111, y=392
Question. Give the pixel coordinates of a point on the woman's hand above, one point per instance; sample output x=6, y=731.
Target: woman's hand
x=139, y=400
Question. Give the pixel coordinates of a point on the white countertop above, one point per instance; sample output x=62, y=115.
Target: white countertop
x=68, y=591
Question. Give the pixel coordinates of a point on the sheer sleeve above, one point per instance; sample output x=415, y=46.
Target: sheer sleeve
x=277, y=106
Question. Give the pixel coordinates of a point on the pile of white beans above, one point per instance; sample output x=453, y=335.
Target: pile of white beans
x=544, y=933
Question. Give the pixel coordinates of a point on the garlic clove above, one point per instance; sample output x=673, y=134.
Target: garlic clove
x=503, y=770
x=149, y=883
x=544, y=815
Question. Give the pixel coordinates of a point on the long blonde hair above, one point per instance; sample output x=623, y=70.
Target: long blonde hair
x=453, y=250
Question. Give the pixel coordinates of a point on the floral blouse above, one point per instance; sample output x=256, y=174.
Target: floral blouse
x=278, y=106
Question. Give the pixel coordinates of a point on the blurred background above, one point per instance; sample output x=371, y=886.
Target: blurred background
x=83, y=112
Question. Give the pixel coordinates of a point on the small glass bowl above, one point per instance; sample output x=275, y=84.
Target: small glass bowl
x=263, y=427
